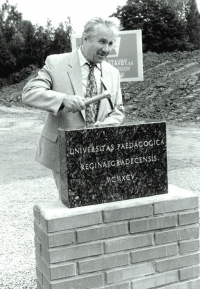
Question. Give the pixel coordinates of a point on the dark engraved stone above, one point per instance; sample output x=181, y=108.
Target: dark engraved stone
x=106, y=164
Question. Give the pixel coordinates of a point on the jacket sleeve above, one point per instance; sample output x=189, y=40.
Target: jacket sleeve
x=38, y=91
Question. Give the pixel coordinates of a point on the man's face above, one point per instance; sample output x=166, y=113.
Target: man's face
x=99, y=45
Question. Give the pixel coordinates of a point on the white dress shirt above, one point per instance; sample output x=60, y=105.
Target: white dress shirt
x=85, y=72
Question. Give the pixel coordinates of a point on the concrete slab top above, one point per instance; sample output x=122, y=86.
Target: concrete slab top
x=56, y=209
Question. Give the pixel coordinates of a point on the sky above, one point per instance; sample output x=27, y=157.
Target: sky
x=38, y=11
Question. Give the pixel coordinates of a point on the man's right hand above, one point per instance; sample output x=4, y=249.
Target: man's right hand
x=74, y=103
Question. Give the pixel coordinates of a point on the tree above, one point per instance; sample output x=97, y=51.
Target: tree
x=28, y=32
x=23, y=44
x=176, y=5
x=7, y=61
x=162, y=28
x=16, y=47
x=50, y=40
x=11, y=38
x=193, y=23
x=10, y=20
x=62, y=38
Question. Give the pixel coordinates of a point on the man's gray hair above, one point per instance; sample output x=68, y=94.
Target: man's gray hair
x=112, y=23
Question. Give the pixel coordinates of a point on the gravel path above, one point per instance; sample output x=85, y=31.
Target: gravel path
x=23, y=183
x=17, y=253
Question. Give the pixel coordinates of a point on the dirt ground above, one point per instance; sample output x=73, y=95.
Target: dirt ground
x=19, y=132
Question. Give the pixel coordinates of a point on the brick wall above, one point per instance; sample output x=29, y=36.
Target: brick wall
x=144, y=243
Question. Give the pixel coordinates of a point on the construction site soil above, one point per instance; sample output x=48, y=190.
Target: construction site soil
x=170, y=90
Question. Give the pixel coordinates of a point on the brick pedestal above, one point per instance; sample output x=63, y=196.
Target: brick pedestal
x=151, y=242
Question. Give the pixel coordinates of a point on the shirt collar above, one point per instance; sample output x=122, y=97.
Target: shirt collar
x=83, y=60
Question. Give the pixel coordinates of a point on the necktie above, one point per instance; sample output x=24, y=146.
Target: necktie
x=91, y=90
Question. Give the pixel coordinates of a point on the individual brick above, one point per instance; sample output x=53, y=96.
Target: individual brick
x=102, y=263
x=61, y=239
x=176, y=205
x=46, y=283
x=156, y=280
x=71, y=222
x=152, y=224
x=154, y=253
x=177, y=262
x=45, y=253
x=119, y=214
x=188, y=246
x=54, y=239
x=39, y=286
x=102, y=232
x=57, y=271
x=41, y=234
x=63, y=254
x=83, y=282
x=122, y=274
x=62, y=271
x=194, y=284
x=42, y=266
x=119, y=286
x=38, y=246
x=39, y=275
x=188, y=218
x=36, y=214
x=177, y=235
x=189, y=273
x=127, y=243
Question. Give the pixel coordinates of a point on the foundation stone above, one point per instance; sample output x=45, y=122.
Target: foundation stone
x=106, y=164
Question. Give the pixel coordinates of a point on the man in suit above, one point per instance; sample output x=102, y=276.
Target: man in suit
x=61, y=87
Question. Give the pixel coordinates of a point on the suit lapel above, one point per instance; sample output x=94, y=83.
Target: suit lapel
x=74, y=71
